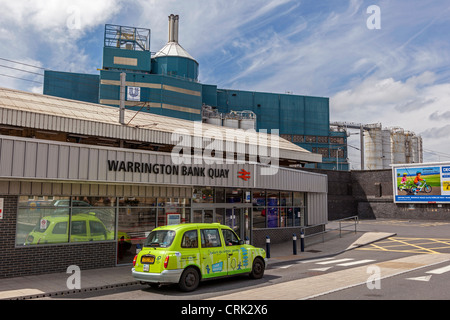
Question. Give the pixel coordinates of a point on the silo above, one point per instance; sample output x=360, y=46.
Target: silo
x=398, y=146
x=173, y=59
x=247, y=120
x=231, y=120
x=373, y=146
x=386, y=147
x=215, y=120
x=414, y=144
x=420, y=148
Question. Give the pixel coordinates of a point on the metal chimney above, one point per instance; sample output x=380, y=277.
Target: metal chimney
x=173, y=28
x=176, y=21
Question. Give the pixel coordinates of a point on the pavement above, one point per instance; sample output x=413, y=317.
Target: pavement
x=331, y=243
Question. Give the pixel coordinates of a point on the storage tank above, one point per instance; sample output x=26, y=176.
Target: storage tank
x=398, y=146
x=373, y=149
x=231, y=120
x=387, y=150
x=217, y=121
x=414, y=144
x=247, y=120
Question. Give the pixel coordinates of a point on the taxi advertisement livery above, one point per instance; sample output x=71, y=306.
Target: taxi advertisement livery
x=189, y=253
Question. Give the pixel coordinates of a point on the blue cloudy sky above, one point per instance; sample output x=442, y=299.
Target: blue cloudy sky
x=398, y=75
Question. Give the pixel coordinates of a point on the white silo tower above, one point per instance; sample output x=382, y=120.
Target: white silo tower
x=387, y=150
x=398, y=138
x=373, y=145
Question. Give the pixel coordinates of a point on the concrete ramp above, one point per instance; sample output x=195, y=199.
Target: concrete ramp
x=370, y=237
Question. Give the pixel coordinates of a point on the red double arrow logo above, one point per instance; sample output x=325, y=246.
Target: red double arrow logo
x=244, y=175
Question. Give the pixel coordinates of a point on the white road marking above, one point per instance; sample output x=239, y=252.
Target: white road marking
x=316, y=260
x=424, y=278
x=354, y=263
x=334, y=261
x=321, y=269
x=440, y=270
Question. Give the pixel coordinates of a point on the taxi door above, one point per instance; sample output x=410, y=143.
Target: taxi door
x=238, y=257
x=213, y=256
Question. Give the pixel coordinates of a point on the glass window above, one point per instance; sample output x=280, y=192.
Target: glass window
x=97, y=228
x=220, y=195
x=259, y=217
x=78, y=228
x=290, y=217
x=259, y=198
x=283, y=218
x=203, y=195
x=230, y=238
x=273, y=199
x=60, y=228
x=234, y=196
x=286, y=199
x=210, y=238
x=137, y=202
x=299, y=199
x=190, y=239
x=220, y=215
x=272, y=217
x=162, y=239
x=36, y=220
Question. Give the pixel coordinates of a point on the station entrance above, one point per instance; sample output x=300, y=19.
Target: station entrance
x=235, y=215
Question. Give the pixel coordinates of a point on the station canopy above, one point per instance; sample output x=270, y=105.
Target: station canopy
x=92, y=123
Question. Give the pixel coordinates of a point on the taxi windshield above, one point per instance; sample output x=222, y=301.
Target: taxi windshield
x=160, y=239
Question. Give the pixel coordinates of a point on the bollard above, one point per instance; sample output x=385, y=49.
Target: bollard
x=302, y=241
x=294, y=244
x=247, y=240
x=268, y=247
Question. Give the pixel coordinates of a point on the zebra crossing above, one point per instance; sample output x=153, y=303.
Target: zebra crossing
x=325, y=264
x=328, y=263
x=344, y=262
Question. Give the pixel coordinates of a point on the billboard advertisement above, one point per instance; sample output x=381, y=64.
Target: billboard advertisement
x=422, y=183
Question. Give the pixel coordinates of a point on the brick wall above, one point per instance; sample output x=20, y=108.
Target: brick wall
x=21, y=261
x=369, y=195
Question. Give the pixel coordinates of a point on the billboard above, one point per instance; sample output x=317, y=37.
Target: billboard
x=421, y=183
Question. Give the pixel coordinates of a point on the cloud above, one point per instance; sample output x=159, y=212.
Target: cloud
x=397, y=76
x=51, y=33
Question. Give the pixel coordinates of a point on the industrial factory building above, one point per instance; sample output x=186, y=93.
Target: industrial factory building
x=166, y=83
x=385, y=147
x=380, y=148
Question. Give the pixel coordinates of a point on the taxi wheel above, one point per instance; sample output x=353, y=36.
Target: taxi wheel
x=189, y=280
x=258, y=269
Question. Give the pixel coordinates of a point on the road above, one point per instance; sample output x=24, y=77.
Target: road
x=413, y=265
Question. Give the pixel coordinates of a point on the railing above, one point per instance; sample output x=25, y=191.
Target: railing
x=340, y=228
x=355, y=224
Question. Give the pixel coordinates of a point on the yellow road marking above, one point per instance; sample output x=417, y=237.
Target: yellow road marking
x=394, y=244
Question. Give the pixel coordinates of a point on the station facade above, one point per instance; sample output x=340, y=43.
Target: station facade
x=79, y=188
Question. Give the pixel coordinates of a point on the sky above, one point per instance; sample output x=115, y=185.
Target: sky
x=388, y=66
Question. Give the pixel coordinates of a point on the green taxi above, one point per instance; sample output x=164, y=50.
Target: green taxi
x=186, y=254
x=85, y=227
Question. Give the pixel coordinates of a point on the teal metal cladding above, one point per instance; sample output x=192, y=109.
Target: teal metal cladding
x=175, y=97
x=75, y=86
x=291, y=114
x=178, y=67
x=138, y=60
